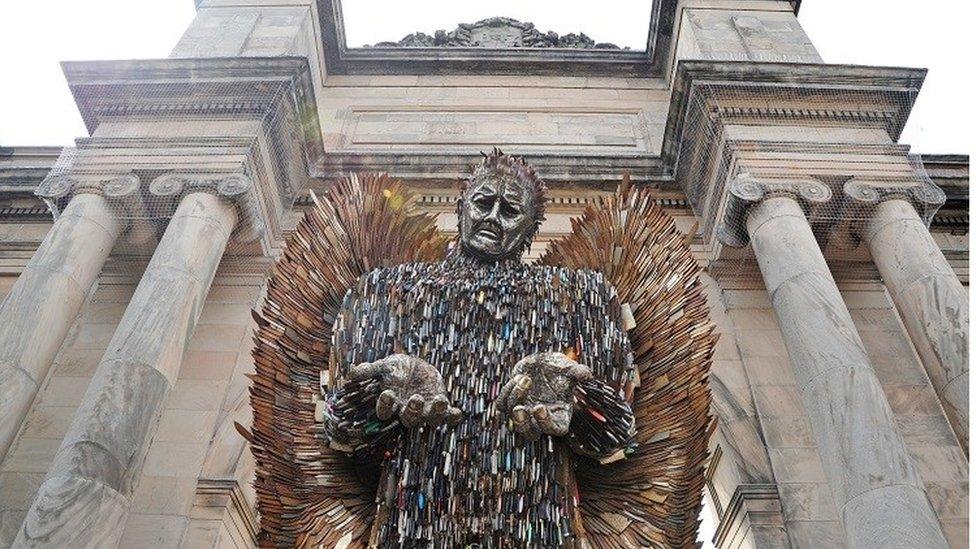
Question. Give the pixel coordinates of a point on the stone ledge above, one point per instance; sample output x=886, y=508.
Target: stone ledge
x=219, y=499
x=765, y=495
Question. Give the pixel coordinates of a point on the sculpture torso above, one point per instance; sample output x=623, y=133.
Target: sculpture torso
x=477, y=482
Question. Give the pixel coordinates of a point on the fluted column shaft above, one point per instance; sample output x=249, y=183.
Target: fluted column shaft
x=931, y=300
x=44, y=301
x=86, y=495
x=872, y=476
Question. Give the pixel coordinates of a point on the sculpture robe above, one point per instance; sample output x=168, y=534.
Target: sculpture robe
x=477, y=482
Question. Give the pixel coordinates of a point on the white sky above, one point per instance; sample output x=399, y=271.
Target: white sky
x=36, y=107
x=625, y=25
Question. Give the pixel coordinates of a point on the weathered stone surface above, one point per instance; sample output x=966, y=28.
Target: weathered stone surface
x=932, y=302
x=902, y=518
x=864, y=458
x=754, y=35
x=36, y=314
x=153, y=531
x=74, y=507
x=815, y=534
x=88, y=490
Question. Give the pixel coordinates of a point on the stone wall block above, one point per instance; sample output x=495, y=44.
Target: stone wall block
x=955, y=401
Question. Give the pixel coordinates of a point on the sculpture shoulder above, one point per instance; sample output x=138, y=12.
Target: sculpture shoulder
x=588, y=279
x=395, y=274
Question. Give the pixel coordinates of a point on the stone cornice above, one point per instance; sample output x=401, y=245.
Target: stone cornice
x=783, y=122
x=214, y=121
x=448, y=167
x=753, y=85
x=22, y=168
x=263, y=88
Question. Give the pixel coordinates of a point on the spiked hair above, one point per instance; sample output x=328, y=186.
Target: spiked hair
x=505, y=166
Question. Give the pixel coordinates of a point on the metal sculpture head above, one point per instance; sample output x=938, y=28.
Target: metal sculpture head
x=500, y=209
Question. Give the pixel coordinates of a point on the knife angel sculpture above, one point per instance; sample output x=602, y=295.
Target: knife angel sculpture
x=411, y=392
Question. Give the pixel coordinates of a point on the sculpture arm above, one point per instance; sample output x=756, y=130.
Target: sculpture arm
x=602, y=426
x=351, y=422
x=382, y=389
x=581, y=394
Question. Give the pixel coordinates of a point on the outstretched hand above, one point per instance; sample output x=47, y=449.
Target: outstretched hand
x=539, y=397
x=411, y=389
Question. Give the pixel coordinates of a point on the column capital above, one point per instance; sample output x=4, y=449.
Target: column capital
x=63, y=185
x=745, y=190
x=863, y=195
x=121, y=190
x=166, y=191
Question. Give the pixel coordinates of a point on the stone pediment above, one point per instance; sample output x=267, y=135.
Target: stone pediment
x=496, y=33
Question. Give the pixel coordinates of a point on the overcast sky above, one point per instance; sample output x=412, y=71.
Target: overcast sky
x=36, y=107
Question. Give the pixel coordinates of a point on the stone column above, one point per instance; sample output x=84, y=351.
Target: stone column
x=930, y=299
x=46, y=298
x=85, y=498
x=872, y=476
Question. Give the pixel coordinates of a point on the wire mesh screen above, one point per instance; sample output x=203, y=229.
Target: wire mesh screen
x=166, y=129
x=831, y=149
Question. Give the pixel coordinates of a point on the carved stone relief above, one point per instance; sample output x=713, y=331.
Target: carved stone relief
x=497, y=32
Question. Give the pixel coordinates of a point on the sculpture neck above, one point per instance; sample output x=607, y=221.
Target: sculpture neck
x=461, y=258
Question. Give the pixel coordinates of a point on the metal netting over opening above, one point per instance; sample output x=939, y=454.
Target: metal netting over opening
x=833, y=149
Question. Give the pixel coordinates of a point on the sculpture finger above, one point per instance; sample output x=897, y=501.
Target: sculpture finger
x=386, y=405
x=523, y=384
x=552, y=419
x=412, y=412
x=523, y=424
x=366, y=370
x=501, y=404
x=435, y=411
x=454, y=416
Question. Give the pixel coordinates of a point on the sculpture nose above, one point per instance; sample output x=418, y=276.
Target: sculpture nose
x=493, y=214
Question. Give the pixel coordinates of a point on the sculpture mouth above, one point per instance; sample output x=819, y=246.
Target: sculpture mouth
x=489, y=231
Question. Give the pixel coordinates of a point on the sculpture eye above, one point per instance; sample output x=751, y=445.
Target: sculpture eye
x=483, y=202
x=510, y=210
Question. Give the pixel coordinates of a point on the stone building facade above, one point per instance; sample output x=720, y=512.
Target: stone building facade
x=836, y=261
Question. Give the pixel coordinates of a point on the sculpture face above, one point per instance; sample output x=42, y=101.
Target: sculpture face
x=496, y=218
